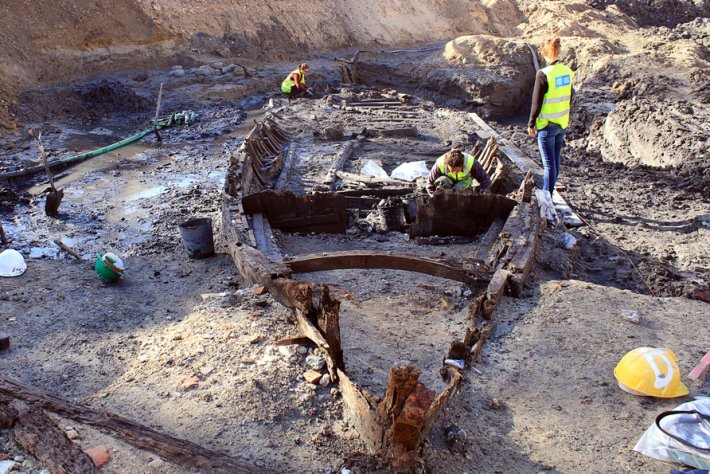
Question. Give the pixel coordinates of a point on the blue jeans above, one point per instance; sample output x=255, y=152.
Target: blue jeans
x=550, y=141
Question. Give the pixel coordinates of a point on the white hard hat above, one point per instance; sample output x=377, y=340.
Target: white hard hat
x=12, y=263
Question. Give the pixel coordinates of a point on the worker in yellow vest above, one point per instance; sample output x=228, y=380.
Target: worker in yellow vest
x=549, y=113
x=456, y=170
x=295, y=82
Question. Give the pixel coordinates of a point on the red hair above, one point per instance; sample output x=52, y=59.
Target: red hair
x=551, y=48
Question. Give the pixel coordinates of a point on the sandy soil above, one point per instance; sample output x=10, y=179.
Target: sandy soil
x=635, y=168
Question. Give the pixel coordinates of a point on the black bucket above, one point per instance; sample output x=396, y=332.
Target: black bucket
x=197, y=237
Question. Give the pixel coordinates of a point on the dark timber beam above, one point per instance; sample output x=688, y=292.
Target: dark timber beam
x=189, y=455
x=371, y=260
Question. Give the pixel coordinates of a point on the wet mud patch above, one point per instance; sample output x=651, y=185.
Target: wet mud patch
x=131, y=200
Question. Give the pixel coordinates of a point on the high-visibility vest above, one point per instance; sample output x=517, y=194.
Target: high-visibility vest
x=463, y=175
x=555, y=105
x=288, y=83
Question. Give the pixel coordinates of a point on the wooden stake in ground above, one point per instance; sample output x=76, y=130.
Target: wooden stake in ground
x=64, y=247
x=3, y=239
x=54, y=198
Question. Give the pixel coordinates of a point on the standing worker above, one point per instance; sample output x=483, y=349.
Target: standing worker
x=456, y=170
x=549, y=113
x=295, y=82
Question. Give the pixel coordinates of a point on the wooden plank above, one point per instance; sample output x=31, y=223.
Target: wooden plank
x=361, y=413
x=330, y=223
x=365, y=259
x=442, y=401
x=486, y=243
x=178, y=451
x=321, y=212
x=46, y=441
x=458, y=213
x=485, y=333
x=381, y=193
x=343, y=155
x=329, y=324
x=495, y=291
x=521, y=160
x=568, y=216
x=362, y=203
x=287, y=167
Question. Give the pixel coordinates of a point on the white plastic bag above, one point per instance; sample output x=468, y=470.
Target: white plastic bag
x=373, y=169
x=568, y=240
x=680, y=437
x=410, y=171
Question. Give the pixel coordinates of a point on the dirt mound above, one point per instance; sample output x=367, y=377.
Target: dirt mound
x=85, y=100
x=655, y=133
x=657, y=12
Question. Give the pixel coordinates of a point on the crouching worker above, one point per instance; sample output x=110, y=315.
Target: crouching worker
x=295, y=82
x=456, y=170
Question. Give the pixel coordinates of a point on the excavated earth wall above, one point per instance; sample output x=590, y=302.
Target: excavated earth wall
x=46, y=42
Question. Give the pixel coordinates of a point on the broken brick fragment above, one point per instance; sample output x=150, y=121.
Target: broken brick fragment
x=260, y=290
x=312, y=376
x=100, y=455
x=189, y=382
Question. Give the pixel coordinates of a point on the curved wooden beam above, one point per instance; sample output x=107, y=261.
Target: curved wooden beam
x=370, y=260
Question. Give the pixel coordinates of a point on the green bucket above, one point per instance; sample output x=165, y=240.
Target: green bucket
x=104, y=271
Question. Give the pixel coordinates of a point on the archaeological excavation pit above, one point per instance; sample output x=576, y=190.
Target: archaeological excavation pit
x=395, y=287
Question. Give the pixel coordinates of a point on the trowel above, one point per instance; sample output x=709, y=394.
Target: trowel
x=54, y=197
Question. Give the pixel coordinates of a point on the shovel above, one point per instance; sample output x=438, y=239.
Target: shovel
x=54, y=198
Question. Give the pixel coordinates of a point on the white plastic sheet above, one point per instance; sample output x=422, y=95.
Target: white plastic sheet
x=691, y=428
x=410, y=171
x=370, y=168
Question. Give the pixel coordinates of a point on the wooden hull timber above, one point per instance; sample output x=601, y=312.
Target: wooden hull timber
x=396, y=424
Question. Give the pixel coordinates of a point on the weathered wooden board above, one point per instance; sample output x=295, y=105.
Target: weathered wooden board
x=361, y=413
x=41, y=437
x=178, y=451
x=458, y=213
x=370, y=260
x=320, y=212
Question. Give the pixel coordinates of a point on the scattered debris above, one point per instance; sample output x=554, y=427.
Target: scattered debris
x=456, y=363
x=315, y=362
x=631, y=315
x=312, y=376
x=568, y=241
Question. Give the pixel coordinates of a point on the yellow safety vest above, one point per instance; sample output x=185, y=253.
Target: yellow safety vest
x=555, y=105
x=288, y=83
x=463, y=175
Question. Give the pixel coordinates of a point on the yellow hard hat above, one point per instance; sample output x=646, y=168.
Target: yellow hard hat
x=650, y=371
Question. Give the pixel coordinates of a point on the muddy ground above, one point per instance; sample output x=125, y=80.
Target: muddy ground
x=545, y=399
